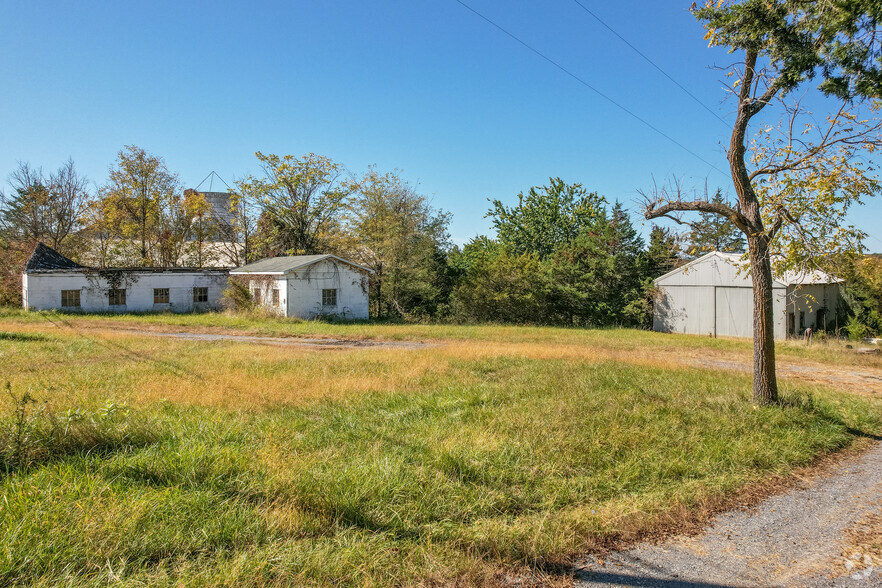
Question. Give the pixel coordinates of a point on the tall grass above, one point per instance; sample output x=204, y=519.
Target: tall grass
x=262, y=466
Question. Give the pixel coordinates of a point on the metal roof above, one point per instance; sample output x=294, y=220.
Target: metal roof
x=788, y=278
x=290, y=263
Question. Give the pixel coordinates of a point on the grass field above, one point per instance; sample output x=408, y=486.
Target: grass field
x=495, y=451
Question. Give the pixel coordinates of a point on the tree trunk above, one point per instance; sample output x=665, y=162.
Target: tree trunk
x=765, y=384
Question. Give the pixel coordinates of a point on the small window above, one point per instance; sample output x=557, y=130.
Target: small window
x=200, y=294
x=160, y=295
x=329, y=297
x=70, y=298
x=275, y=296
x=256, y=294
x=801, y=321
x=116, y=297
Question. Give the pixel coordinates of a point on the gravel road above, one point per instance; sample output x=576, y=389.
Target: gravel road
x=794, y=539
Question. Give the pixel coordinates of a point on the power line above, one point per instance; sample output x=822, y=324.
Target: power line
x=652, y=63
x=590, y=87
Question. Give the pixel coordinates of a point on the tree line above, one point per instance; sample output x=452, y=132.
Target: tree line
x=561, y=255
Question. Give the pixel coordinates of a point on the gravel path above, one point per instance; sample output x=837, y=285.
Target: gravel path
x=795, y=539
x=314, y=343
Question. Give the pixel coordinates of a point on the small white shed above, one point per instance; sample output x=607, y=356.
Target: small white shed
x=713, y=295
x=308, y=286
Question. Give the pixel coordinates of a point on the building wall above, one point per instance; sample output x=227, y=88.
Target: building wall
x=42, y=290
x=266, y=284
x=305, y=291
x=713, y=310
x=813, y=306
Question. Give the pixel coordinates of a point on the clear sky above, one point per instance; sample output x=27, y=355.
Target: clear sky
x=424, y=86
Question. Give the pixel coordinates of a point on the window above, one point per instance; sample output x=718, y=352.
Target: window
x=70, y=298
x=160, y=295
x=200, y=294
x=275, y=296
x=256, y=294
x=116, y=297
x=801, y=321
x=792, y=319
x=329, y=297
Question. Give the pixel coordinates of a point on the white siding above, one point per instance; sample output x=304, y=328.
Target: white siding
x=42, y=290
x=305, y=290
x=712, y=297
x=266, y=284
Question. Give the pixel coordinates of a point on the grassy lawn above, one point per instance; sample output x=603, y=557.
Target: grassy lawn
x=149, y=461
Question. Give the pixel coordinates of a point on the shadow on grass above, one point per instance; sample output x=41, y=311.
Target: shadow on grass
x=24, y=337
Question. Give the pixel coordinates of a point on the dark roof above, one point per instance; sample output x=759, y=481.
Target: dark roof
x=46, y=258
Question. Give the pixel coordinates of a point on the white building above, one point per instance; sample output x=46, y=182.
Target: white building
x=713, y=295
x=308, y=286
x=52, y=281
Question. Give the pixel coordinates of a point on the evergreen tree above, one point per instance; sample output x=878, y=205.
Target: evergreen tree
x=712, y=232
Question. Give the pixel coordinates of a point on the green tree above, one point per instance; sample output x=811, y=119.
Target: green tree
x=498, y=285
x=597, y=279
x=797, y=182
x=663, y=252
x=142, y=205
x=302, y=202
x=712, y=232
x=546, y=218
x=404, y=240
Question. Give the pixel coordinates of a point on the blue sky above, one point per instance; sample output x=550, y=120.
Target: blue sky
x=424, y=86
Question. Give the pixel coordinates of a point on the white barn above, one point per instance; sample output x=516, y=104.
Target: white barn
x=51, y=281
x=713, y=295
x=308, y=286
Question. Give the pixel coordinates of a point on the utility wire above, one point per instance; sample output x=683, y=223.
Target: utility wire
x=652, y=63
x=590, y=87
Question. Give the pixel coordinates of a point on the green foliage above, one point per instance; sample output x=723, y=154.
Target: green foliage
x=863, y=294
x=302, y=200
x=546, y=218
x=237, y=295
x=498, y=285
x=803, y=39
x=593, y=271
x=712, y=232
x=397, y=234
x=663, y=253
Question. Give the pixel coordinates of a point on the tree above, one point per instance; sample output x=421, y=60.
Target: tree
x=663, y=253
x=45, y=209
x=302, y=199
x=597, y=278
x=404, y=240
x=794, y=187
x=142, y=205
x=499, y=285
x=546, y=218
x=712, y=232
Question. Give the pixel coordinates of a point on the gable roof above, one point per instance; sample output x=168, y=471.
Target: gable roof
x=45, y=258
x=291, y=263
x=788, y=278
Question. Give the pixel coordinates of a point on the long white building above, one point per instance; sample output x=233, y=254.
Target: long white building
x=52, y=281
x=713, y=295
